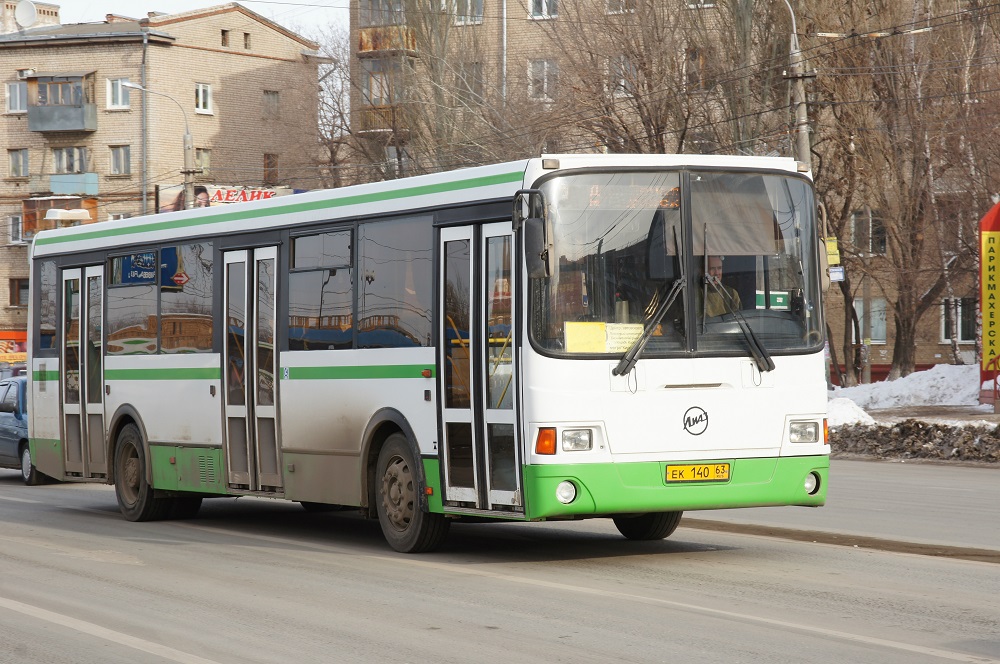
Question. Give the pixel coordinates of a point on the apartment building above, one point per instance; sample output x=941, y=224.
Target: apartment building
x=97, y=118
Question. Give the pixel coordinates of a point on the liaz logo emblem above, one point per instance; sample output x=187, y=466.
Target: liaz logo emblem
x=695, y=421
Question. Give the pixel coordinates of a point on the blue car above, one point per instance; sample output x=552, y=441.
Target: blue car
x=14, y=452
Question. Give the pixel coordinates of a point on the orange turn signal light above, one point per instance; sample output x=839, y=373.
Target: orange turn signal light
x=545, y=443
x=826, y=431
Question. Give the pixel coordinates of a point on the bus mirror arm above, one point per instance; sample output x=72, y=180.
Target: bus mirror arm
x=528, y=203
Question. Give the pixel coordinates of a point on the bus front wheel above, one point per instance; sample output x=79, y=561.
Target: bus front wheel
x=406, y=527
x=135, y=495
x=651, y=526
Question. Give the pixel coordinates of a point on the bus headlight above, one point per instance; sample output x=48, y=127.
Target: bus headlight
x=577, y=440
x=566, y=492
x=803, y=432
x=811, y=484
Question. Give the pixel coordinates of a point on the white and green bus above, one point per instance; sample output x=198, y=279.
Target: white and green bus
x=566, y=337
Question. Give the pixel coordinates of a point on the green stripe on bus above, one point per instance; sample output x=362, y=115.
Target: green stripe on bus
x=354, y=373
x=39, y=376
x=209, y=373
x=115, y=230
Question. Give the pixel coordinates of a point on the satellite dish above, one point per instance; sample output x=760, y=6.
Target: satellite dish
x=25, y=13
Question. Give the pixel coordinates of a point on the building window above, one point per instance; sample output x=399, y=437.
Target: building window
x=120, y=162
x=65, y=90
x=868, y=232
x=621, y=6
x=700, y=4
x=379, y=83
x=272, y=104
x=14, y=223
x=203, y=160
x=543, y=77
x=18, y=160
x=696, y=70
x=202, y=98
x=118, y=216
x=380, y=12
x=225, y=38
x=69, y=160
x=469, y=82
x=246, y=40
x=117, y=93
x=18, y=292
x=878, y=327
x=467, y=12
x=544, y=9
x=964, y=311
x=270, y=169
x=17, y=97
x=622, y=76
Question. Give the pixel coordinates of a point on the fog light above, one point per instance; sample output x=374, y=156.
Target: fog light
x=812, y=483
x=566, y=492
x=577, y=440
x=803, y=432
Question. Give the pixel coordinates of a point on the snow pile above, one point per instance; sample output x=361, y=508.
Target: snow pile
x=944, y=385
x=844, y=411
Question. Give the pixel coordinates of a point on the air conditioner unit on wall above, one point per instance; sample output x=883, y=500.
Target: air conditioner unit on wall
x=23, y=74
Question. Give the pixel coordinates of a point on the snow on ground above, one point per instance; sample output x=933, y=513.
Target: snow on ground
x=943, y=385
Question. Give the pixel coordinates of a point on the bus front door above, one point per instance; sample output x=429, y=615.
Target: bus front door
x=82, y=388
x=481, y=459
x=253, y=455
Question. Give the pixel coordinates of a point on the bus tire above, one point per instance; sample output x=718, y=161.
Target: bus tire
x=29, y=473
x=651, y=526
x=406, y=527
x=136, y=499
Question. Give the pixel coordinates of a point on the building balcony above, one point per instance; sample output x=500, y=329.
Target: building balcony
x=379, y=119
x=74, y=184
x=79, y=117
x=386, y=38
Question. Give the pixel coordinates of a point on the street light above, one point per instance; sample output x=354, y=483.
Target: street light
x=189, y=168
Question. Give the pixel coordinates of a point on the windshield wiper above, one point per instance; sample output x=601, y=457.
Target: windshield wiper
x=757, y=349
x=631, y=356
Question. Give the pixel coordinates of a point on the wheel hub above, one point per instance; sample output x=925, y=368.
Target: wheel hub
x=398, y=494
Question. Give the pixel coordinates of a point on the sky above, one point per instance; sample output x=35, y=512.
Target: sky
x=300, y=16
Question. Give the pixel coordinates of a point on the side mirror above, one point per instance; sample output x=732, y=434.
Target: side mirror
x=536, y=249
x=6, y=407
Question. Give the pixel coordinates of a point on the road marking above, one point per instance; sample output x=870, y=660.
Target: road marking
x=19, y=500
x=719, y=613
x=104, y=633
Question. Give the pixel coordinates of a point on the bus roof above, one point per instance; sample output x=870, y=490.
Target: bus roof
x=481, y=183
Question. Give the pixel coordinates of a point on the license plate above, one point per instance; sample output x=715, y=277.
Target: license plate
x=698, y=472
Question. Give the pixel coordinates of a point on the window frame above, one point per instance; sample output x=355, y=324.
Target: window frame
x=124, y=101
x=78, y=162
x=270, y=166
x=19, y=287
x=465, y=12
x=15, y=229
x=541, y=10
x=272, y=104
x=872, y=230
x=116, y=154
x=200, y=161
x=23, y=159
x=549, y=79
x=859, y=307
x=21, y=97
x=203, y=99
x=945, y=319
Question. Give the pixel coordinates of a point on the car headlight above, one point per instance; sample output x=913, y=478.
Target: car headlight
x=803, y=432
x=577, y=440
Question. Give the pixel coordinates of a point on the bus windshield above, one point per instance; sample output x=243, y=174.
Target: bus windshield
x=703, y=263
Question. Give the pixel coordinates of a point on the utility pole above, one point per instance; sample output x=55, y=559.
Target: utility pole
x=798, y=75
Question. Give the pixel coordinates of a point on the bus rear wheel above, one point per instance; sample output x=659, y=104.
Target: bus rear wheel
x=651, y=526
x=136, y=498
x=406, y=527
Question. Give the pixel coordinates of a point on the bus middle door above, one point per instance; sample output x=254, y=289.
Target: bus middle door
x=253, y=456
x=477, y=367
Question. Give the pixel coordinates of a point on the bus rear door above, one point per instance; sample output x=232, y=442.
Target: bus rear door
x=481, y=461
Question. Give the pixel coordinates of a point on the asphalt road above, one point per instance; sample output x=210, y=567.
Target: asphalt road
x=255, y=580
